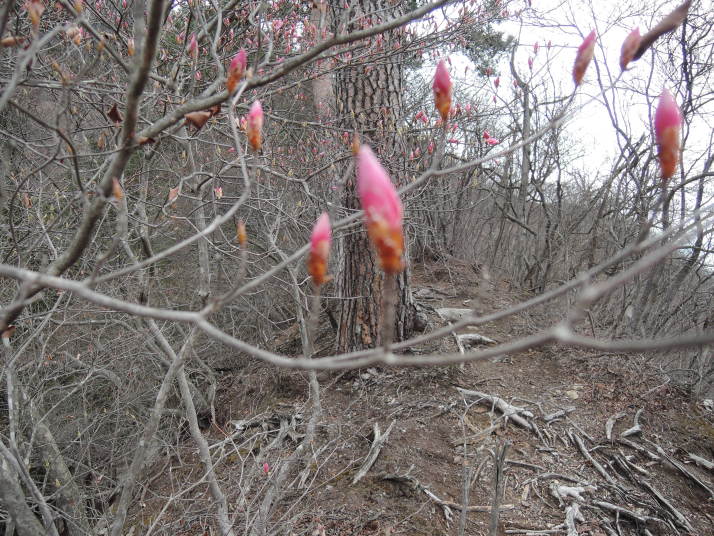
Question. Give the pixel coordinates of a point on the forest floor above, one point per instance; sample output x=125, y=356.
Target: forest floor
x=439, y=438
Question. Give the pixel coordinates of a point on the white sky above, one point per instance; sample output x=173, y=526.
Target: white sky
x=564, y=23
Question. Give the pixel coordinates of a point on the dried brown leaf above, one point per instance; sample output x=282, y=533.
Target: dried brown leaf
x=198, y=119
x=11, y=41
x=114, y=114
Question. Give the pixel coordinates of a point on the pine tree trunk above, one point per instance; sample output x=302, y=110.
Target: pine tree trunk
x=369, y=100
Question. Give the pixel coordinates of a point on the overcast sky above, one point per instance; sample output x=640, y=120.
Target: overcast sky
x=564, y=23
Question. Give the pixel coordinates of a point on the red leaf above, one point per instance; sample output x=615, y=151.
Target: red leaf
x=114, y=114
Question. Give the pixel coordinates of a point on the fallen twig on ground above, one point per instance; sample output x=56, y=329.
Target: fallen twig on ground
x=516, y=414
x=636, y=429
x=375, y=449
x=701, y=462
x=610, y=424
x=598, y=467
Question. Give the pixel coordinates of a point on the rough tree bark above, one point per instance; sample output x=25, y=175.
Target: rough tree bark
x=369, y=101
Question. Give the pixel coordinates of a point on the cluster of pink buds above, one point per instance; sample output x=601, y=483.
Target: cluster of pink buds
x=320, y=241
x=488, y=139
x=382, y=210
x=421, y=116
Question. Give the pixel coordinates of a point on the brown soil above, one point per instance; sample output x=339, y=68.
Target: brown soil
x=430, y=441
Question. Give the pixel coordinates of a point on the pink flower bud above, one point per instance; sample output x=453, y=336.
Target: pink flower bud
x=239, y=61
x=442, y=90
x=266, y=468
x=497, y=82
x=382, y=210
x=255, y=126
x=583, y=57
x=193, y=46
x=667, y=122
x=236, y=70
x=629, y=47
x=320, y=241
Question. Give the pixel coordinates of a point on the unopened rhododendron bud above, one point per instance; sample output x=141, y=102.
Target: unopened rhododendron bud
x=193, y=46
x=254, y=126
x=583, y=57
x=241, y=233
x=320, y=241
x=667, y=122
x=382, y=210
x=35, y=9
x=236, y=70
x=629, y=47
x=442, y=90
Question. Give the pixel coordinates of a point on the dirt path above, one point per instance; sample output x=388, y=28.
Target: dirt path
x=559, y=470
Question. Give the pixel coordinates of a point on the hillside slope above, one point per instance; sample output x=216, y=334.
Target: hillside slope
x=561, y=473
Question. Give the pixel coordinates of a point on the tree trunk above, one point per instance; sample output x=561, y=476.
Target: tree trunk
x=369, y=100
